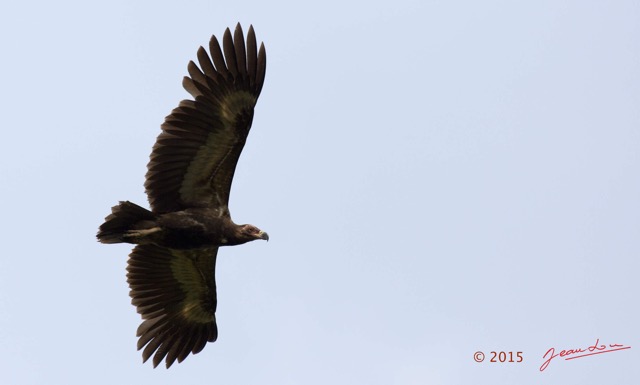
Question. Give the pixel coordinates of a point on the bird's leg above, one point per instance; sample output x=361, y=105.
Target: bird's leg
x=136, y=235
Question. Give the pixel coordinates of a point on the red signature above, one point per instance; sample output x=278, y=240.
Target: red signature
x=589, y=351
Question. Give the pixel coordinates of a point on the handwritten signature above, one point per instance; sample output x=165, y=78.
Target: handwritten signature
x=589, y=351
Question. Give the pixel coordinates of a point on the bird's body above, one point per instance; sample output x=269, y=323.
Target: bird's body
x=192, y=228
x=171, y=270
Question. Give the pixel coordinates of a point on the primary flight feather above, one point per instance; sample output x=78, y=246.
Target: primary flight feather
x=171, y=270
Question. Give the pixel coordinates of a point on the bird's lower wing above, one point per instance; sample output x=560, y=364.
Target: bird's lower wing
x=175, y=293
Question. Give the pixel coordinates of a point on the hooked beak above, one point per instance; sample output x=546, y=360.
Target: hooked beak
x=263, y=235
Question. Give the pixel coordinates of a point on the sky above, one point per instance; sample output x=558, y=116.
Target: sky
x=438, y=178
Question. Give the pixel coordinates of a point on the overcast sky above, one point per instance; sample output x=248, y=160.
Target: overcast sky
x=437, y=177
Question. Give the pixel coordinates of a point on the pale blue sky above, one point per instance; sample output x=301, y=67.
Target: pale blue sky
x=437, y=178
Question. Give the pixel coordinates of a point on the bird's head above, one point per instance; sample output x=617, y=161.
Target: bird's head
x=251, y=233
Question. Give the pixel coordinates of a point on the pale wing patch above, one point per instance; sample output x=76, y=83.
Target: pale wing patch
x=194, y=284
x=234, y=104
x=207, y=163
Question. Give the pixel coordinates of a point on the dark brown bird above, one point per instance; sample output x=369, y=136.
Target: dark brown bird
x=171, y=270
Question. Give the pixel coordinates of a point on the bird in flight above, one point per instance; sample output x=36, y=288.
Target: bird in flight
x=171, y=270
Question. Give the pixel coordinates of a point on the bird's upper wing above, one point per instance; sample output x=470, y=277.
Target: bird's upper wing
x=195, y=156
x=175, y=293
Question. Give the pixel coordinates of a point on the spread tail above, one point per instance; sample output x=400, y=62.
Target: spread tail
x=124, y=217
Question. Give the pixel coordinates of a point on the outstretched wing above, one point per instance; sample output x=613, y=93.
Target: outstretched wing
x=175, y=293
x=194, y=158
